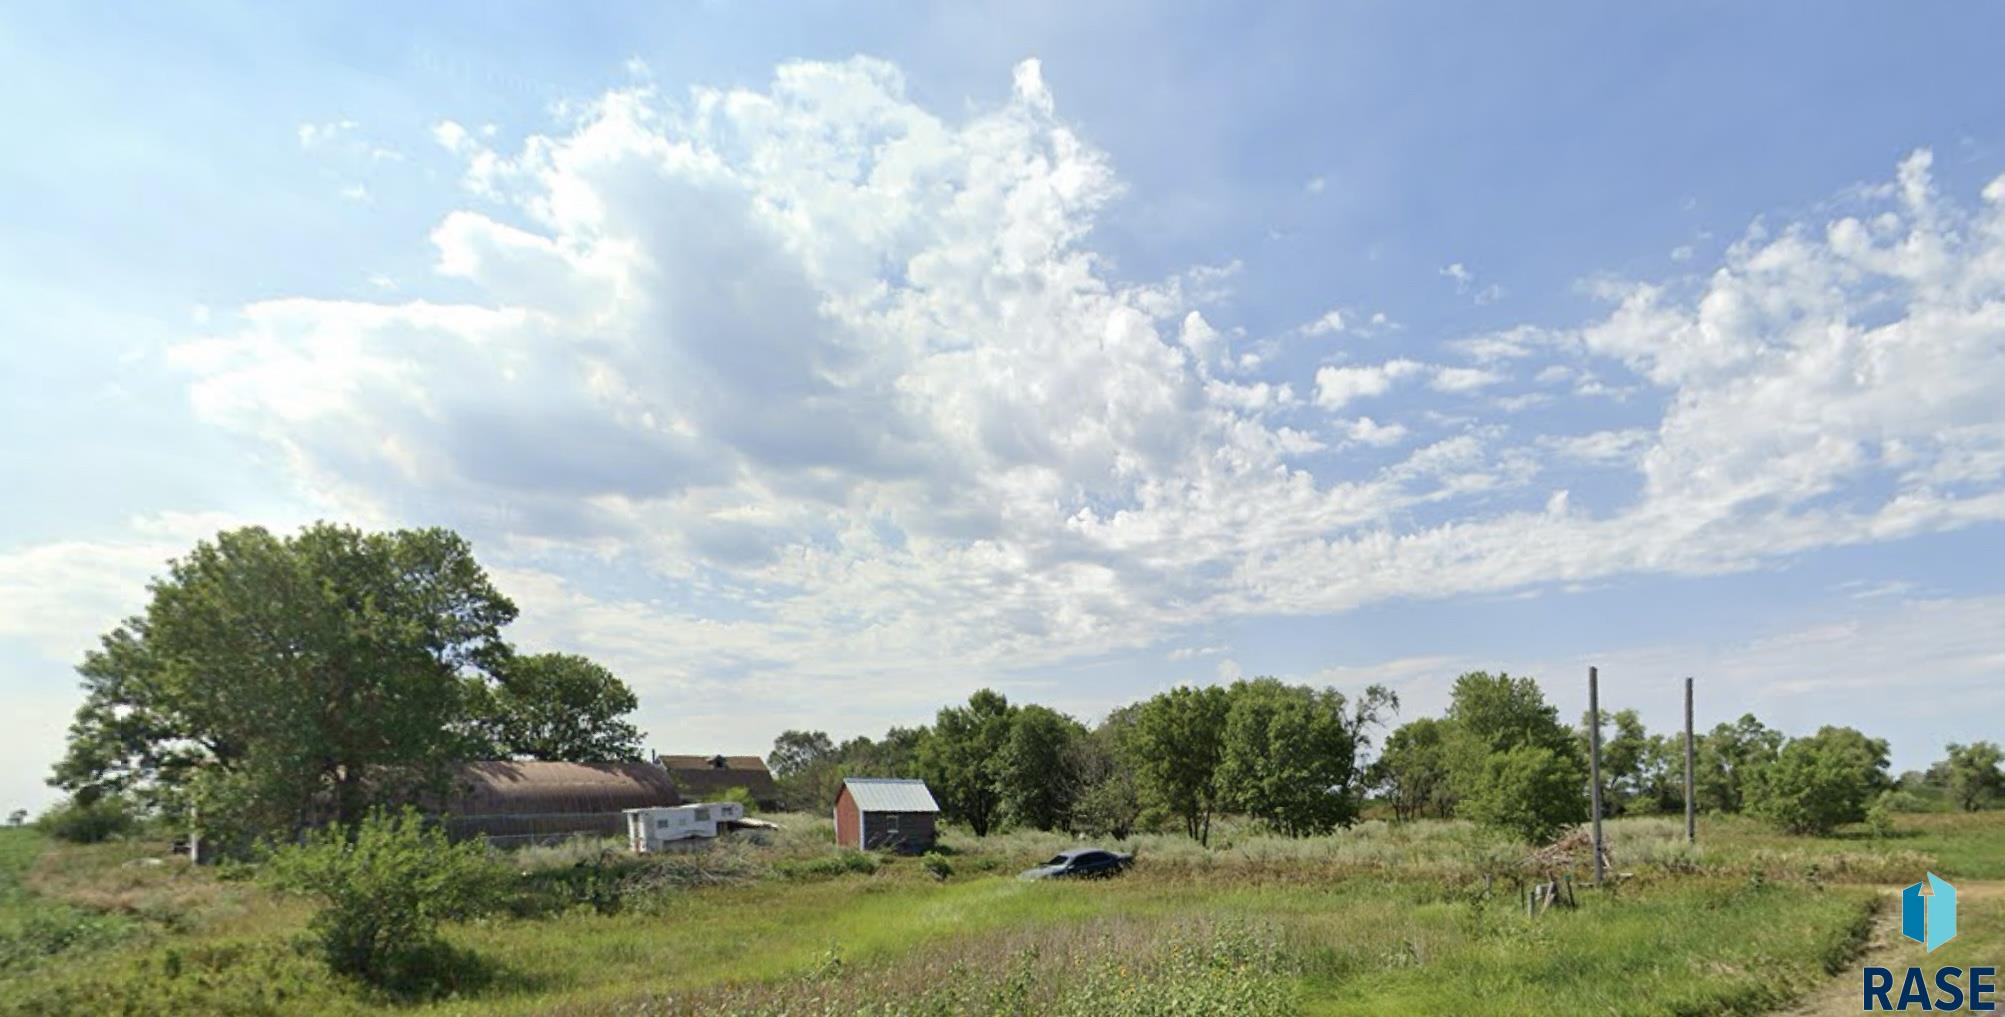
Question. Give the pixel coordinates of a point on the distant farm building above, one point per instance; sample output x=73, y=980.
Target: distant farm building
x=706, y=778
x=533, y=802
x=885, y=813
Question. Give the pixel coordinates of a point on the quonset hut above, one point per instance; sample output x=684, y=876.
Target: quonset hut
x=535, y=802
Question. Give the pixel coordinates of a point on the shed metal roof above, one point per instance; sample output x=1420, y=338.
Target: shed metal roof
x=890, y=794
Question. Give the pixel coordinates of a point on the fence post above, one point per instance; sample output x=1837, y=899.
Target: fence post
x=1594, y=763
x=1691, y=800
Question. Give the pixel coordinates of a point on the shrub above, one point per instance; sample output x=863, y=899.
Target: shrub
x=1530, y=791
x=1902, y=801
x=937, y=864
x=1819, y=782
x=843, y=862
x=385, y=891
x=90, y=822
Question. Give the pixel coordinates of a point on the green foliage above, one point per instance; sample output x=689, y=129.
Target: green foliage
x=1819, y=782
x=1177, y=744
x=1974, y=776
x=1290, y=756
x=1731, y=759
x=1512, y=765
x=384, y=894
x=809, y=767
x=1038, y=773
x=1107, y=802
x=937, y=864
x=559, y=706
x=1413, y=772
x=81, y=820
x=962, y=759
x=1498, y=712
x=742, y=796
x=287, y=669
x=34, y=930
x=797, y=751
x=845, y=862
x=1529, y=791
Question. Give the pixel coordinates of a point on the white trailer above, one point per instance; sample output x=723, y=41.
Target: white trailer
x=679, y=827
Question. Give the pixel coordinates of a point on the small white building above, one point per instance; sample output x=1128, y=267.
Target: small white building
x=678, y=827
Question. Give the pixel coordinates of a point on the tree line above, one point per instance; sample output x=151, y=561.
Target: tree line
x=1289, y=755
x=274, y=684
x=1294, y=758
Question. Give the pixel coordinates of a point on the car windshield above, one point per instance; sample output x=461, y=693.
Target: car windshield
x=1057, y=860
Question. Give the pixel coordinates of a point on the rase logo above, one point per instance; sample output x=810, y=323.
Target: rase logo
x=1928, y=912
x=1928, y=916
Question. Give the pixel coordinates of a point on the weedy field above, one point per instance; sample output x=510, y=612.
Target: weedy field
x=1381, y=919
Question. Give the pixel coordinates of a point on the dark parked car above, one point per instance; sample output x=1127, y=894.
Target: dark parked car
x=1082, y=862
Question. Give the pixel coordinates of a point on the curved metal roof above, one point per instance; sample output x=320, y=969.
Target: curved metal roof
x=546, y=788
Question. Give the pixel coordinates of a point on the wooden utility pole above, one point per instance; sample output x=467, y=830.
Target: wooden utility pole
x=1691, y=800
x=1594, y=763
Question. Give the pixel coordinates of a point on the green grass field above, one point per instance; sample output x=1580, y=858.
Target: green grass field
x=1382, y=919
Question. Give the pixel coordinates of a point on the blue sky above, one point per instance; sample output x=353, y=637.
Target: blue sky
x=813, y=364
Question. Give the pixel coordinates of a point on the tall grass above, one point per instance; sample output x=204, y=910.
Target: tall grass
x=1381, y=919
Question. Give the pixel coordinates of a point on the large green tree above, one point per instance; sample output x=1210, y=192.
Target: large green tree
x=1731, y=758
x=1110, y=799
x=280, y=679
x=1412, y=771
x=961, y=759
x=1039, y=770
x=1974, y=777
x=1290, y=754
x=1512, y=764
x=560, y=706
x=1819, y=782
x=1178, y=742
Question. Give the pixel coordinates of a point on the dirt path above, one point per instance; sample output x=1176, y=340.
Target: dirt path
x=1884, y=947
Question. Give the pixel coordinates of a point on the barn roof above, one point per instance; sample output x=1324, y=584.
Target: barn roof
x=511, y=787
x=890, y=794
x=700, y=777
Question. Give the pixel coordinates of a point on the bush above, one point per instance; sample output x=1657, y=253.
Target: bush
x=937, y=864
x=1529, y=791
x=1820, y=782
x=385, y=892
x=843, y=862
x=90, y=822
x=1903, y=801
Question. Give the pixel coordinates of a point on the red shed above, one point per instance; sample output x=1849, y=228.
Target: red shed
x=885, y=813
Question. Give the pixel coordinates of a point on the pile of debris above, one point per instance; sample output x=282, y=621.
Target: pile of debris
x=1576, y=848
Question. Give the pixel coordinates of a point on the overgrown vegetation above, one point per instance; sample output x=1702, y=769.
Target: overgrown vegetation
x=384, y=891
x=1382, y=918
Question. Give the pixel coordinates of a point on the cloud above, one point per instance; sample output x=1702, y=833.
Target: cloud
x=1339, y=386
x=1465, y=283
x=851, y=374
x=1599, y=448
x=1315, y=185
x=313, y=135
x=1331, y=323
x=58, y=597
x=1367, y=431
x=1463, y=379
